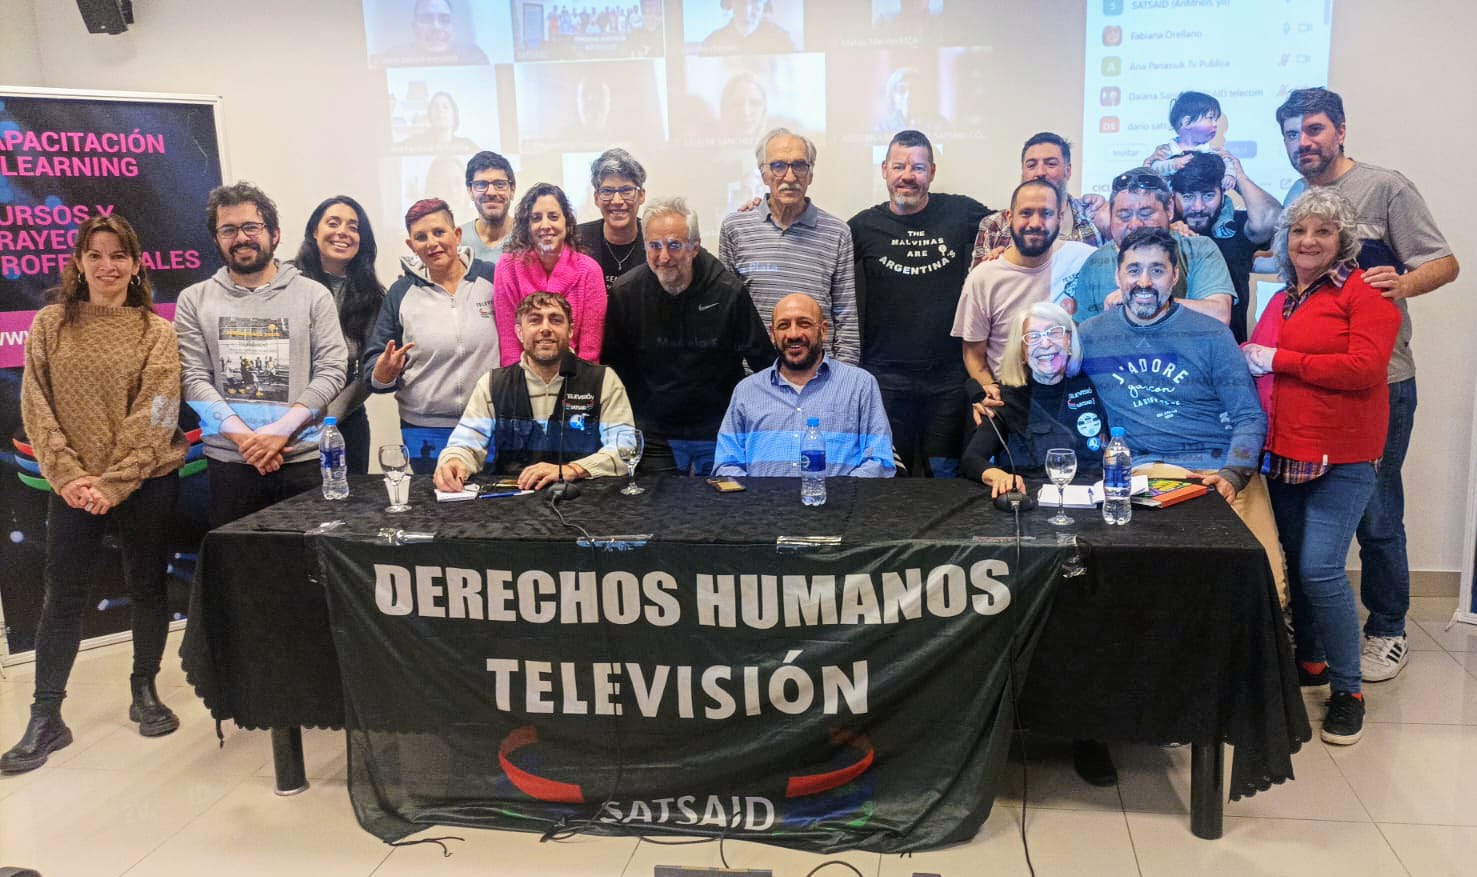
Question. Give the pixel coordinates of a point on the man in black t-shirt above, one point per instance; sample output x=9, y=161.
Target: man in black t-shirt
x=912, y=255
x=1238, y=234
x=614, y=240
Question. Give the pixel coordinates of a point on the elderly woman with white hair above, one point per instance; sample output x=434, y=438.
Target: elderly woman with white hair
x=1319, y=353
x=1048, y=403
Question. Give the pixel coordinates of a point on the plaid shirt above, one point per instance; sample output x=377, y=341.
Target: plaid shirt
x=994, y=231
x=1281, y=468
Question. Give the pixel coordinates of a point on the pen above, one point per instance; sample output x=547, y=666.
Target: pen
x=499, y=493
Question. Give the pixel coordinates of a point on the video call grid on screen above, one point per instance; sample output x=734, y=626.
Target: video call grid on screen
x=689, y=86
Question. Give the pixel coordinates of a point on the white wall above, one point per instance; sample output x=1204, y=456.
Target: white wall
x=297, y=123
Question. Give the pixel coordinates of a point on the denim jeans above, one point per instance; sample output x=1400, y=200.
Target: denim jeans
x=680, y=456
x=425, y=444
x=1384, y=583
x=928, y=412
x=1316, y=522
x=73, y=537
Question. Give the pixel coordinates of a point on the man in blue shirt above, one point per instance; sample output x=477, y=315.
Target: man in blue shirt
x=761, y=430
x=1141, y=199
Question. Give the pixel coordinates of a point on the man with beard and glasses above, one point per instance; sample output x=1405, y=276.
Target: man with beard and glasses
x=262, y=356
x=1238, y=234
x=761, y=431
x=1404, y=255
x=1038, y=267
x=678, y=330
x=1142, y=198
x=491, y=184
x=787, y=244
x=527, y=419
x=1046, y=156
x=911, y=259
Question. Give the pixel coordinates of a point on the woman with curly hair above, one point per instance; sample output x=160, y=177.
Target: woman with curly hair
x=542, y=255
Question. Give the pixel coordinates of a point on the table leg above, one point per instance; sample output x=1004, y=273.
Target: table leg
x=287, y=760
x=1207, y=789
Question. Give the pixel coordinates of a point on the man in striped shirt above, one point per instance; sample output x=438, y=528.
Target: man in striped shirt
x=762, y=428
x=788, y=245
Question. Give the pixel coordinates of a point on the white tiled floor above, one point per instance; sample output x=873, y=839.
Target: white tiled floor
x=1401, y=802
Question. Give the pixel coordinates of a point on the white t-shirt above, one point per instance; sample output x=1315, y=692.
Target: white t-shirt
x=996, y=291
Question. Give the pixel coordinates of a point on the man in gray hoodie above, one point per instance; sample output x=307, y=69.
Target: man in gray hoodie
x=262, y=355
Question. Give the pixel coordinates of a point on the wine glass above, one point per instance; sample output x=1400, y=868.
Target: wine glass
x=1061, y=465
x=395, y=461
x=629, y=444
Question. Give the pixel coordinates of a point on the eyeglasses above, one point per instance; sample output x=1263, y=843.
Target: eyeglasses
x=801, y=168
x=672, y=246
x=1055, y=333
x=480, y=187
x=250, y=229
x=1140, y=179
x=607, y=193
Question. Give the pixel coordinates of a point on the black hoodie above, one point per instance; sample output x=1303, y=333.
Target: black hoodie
x=680, y=356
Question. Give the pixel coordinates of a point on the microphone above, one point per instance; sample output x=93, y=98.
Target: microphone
x=1012, y=500
x=568, y=363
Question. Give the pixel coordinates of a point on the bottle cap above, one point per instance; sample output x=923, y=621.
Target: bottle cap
x=1116, y=432
x=812, y=422
x=330, y=421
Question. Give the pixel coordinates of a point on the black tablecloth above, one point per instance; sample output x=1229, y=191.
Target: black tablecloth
x=1172, y=635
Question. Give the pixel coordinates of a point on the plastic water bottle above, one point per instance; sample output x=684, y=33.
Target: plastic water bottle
x=331, y=461
x=1117, y=479
x=813, y=464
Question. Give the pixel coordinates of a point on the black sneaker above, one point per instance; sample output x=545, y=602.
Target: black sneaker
x=1343, y=724
x=1308, y=679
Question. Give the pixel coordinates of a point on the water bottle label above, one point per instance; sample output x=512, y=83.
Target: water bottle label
x=813, y=461
x=1116, y=476
x=330, y=458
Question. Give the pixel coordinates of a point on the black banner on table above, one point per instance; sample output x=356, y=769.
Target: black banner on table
x=65, y=157
x=854, y=698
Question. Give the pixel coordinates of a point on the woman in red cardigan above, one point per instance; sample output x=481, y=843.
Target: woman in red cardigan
x=1319, y=353
x=541, y=256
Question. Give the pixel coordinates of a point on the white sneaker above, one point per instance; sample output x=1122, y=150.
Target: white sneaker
x=1382, y=657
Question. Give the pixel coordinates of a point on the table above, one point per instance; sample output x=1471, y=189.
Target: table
x=1173, y=634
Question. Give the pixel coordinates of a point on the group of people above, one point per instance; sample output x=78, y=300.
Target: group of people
x=519, y=342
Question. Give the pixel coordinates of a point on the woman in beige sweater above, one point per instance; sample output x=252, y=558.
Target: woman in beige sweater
x=100, y=400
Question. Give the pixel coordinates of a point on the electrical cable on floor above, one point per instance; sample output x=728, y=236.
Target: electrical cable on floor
x=854, y=869
x=1015, y=702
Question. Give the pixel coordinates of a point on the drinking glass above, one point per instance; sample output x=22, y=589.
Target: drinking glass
x=1061, y=465
x=629, y=444
x=395, y=461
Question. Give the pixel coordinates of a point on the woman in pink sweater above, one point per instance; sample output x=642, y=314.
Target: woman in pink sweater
x=541, y=257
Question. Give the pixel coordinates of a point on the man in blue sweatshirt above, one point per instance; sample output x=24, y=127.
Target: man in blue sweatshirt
x=1174, y=378
x=1178, y=384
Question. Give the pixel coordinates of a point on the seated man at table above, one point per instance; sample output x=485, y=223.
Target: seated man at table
x=1171, y=378
x=1177, y=382
x=766, y=417
x=516, y=414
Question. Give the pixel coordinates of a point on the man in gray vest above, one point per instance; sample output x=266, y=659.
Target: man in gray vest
x=528, y=419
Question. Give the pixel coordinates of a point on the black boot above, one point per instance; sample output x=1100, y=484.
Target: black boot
x=1093, y=763
x=45, y=734
x=153, y=717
